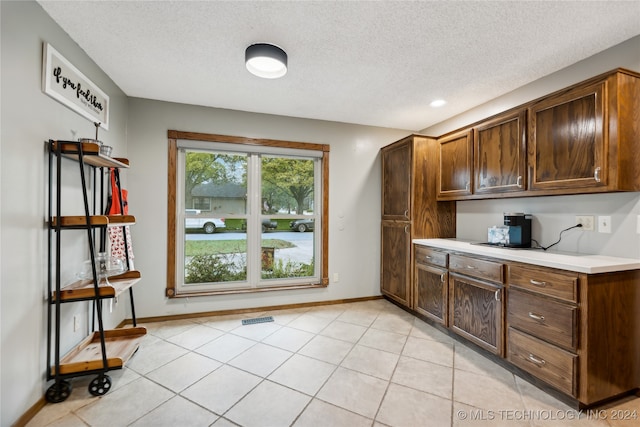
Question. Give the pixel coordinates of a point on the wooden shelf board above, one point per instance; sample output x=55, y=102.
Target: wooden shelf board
x=84, y=289
x=87, y=356
x=95, y=220
x=91, y=154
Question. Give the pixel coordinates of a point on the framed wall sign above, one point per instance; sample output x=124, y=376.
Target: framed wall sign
x=67, y=85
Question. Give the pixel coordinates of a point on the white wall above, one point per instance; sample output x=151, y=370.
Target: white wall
x=354, y=200
x=553, y=214
x=29, y=117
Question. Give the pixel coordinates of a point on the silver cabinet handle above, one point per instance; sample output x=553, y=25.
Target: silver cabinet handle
x=466, y=186
x=427, y=257
x=442, y=277
x=519, y=181
x=406, y=229
x=497, y=295
x=470, y=267
x=537, y=361
x=406, y=213
x=537, y=317
x=596, y=174
x=538, y=283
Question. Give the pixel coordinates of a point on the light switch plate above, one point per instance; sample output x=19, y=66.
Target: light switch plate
x=604, y=224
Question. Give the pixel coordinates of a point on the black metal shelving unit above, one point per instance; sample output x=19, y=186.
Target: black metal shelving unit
x=103, y=350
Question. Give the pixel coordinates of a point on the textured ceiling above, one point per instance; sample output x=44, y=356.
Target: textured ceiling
x=375, y=63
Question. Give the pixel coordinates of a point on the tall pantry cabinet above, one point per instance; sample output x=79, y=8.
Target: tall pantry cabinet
x=409, y=211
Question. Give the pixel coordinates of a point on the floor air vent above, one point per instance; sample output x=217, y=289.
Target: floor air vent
x=257, y=320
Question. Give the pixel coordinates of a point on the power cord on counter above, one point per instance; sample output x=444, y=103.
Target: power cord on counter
x=559, y=238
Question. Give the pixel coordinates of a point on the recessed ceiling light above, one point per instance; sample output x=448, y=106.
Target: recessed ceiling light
x=438, y=103
x=266, y=60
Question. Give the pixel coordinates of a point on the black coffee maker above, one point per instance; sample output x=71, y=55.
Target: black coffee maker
x=519, y=230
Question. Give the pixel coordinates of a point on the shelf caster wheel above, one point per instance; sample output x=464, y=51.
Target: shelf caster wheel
x=58, y=392
x=100, y=385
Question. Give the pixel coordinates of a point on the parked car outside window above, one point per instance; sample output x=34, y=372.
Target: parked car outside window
x=268, y=224
x=301, y=225
x=208, y=225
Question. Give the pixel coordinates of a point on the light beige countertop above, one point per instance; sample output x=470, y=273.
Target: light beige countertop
x=582, y=263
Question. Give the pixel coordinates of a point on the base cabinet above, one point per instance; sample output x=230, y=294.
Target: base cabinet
x=575, y=332
x=431, y=289
x=475, y=311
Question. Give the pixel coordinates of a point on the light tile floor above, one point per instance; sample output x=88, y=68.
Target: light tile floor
x=357, y=364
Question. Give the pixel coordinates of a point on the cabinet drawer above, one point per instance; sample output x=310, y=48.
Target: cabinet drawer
x=480, y=268
x=426, y=255
x=563, y=285
x=545, y=361
x=550, y=320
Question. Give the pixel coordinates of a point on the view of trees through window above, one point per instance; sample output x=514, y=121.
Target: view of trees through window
x=249, y=218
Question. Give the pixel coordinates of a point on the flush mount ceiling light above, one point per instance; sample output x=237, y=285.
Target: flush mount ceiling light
x=438, y=103
x=266, y=60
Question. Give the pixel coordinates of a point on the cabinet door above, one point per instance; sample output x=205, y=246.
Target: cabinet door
x=430, y=292
x=499, y=155
x=455, y=166
x=475, y=311
x=396, y=182
x=395, y=262
x=567, y=144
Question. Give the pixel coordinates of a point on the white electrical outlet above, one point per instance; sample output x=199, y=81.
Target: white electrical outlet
x=587, y=222
x=638, y=225
x=336, y=277
x=604, y=224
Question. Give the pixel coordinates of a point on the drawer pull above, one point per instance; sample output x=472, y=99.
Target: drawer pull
x=427, y=257
x=537, y=317
x=538, y=283
x=539, y=362
x=497, y=295
x=470, y=267
x=596, y=174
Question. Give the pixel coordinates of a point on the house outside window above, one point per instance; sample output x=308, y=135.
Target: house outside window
x=201, y=203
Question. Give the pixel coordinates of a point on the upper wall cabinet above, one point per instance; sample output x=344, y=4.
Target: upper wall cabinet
x=586, y=139
x=567, y=142
x=583, y=139
x=499, y=154
x=456, y=155
x=396, y=182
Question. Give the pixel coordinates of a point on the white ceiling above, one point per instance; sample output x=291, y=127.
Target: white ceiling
x=374, y=63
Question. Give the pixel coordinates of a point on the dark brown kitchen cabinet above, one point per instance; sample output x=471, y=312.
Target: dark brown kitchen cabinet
x=431, y=279
x=499, y=154
x=396, y=182
x=476, y=300
x=573, y=332
x=585, y=139
x=475, y=311
x=455, y=166
x=395, y=261
x=409, y=211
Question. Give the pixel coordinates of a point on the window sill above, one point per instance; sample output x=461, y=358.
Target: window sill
x=171, y=293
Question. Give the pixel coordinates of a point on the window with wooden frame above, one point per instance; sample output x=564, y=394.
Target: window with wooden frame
x=266, y=226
